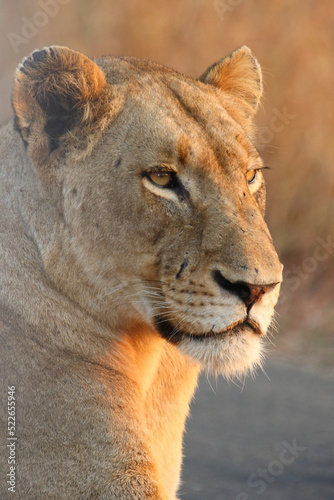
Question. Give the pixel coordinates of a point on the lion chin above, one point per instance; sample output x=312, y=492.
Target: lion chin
x=232, y=353
x=231, y=356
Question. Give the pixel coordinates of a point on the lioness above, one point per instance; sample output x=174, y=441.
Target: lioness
x=133, y=254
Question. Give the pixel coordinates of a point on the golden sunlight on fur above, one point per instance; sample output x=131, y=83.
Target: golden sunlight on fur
x=134, y=253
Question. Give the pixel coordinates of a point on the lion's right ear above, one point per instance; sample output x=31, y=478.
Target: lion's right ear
x=60, y=97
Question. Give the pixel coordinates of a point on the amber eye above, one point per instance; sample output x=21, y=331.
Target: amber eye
x=251, y=176
x=161, y=179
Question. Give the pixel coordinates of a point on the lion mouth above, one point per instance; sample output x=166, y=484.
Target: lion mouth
x=174, y=335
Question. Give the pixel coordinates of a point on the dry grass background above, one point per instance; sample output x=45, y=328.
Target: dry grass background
x=294, y=42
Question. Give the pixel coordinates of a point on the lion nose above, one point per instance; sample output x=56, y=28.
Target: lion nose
x=250, y=294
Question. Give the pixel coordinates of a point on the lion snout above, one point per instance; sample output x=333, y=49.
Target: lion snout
x=249, y=293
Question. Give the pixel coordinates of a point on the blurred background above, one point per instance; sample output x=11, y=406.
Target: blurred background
x=293, y=41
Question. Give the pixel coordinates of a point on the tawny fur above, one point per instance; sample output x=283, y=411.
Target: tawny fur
x=92, y=252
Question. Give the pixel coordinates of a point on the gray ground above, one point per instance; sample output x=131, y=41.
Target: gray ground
x=282, y=430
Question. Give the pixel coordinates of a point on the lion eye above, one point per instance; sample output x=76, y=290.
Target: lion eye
x=161, y=179
x=251, y=176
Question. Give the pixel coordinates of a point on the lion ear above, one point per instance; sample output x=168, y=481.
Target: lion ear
x=238, y=75
x=59, y=96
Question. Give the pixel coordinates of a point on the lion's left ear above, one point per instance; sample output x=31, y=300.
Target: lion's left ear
x=60, y=98
x=238, y=75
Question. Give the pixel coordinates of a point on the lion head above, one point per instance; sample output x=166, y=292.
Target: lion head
x=152, y=197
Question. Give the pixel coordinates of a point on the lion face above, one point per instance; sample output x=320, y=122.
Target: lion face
x=160, y=195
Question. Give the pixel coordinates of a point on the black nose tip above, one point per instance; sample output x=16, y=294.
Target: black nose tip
x=250, y=294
